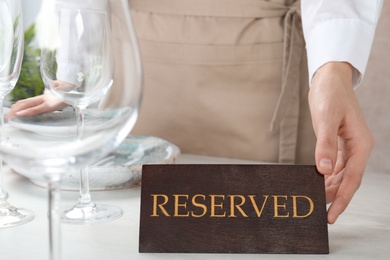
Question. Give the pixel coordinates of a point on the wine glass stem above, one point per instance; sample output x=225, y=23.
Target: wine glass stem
x=2, y=136
x=79, y=121
x=84, y=197
x=3, y=193
x=54, y=220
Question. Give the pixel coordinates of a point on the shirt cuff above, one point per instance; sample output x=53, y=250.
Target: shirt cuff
x=340, y=40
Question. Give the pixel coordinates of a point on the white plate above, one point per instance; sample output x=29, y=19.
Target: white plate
x=120, y=169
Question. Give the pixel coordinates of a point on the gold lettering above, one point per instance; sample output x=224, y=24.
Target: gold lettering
x=238, y=206
x=177, y=205
x=161, y=205
x=311, y=203
x=277, y=206
x=213, y=205
x=199, y=205
x=258, y=212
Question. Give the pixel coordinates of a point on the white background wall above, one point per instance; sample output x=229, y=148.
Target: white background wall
x=374, y=94
x=30, y=10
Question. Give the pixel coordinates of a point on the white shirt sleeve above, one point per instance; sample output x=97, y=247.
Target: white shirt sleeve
x=339, y=30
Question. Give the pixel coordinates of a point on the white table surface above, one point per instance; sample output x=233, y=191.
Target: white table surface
x=362, y=232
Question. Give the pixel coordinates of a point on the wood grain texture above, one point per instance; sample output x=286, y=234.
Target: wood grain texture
x=233, y=209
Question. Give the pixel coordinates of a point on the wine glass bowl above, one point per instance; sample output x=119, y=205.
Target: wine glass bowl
x=78, y=68
x=11, y=45
x=30, y=147
x=79, y=71
x=11, y=53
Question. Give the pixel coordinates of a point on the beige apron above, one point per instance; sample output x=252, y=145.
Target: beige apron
x=225, y=78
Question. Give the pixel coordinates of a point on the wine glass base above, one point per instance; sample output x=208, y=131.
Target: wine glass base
x=96, y=213
x=11, y=216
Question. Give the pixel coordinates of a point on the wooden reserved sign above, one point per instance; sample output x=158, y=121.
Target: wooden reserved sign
x=233, y=209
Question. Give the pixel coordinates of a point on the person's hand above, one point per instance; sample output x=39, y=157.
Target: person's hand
x=344, y=141
x=36, y=105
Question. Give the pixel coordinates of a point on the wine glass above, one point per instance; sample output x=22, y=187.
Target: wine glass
x=80, y=72
x=11, y=54
x=45, y=144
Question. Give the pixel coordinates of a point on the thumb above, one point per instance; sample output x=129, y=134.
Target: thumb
x=326, y=147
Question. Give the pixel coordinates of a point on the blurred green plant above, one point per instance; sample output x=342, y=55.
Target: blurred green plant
x=30, y=82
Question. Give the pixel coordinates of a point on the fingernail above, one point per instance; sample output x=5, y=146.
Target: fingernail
x=332, y=219
x=326, y=164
